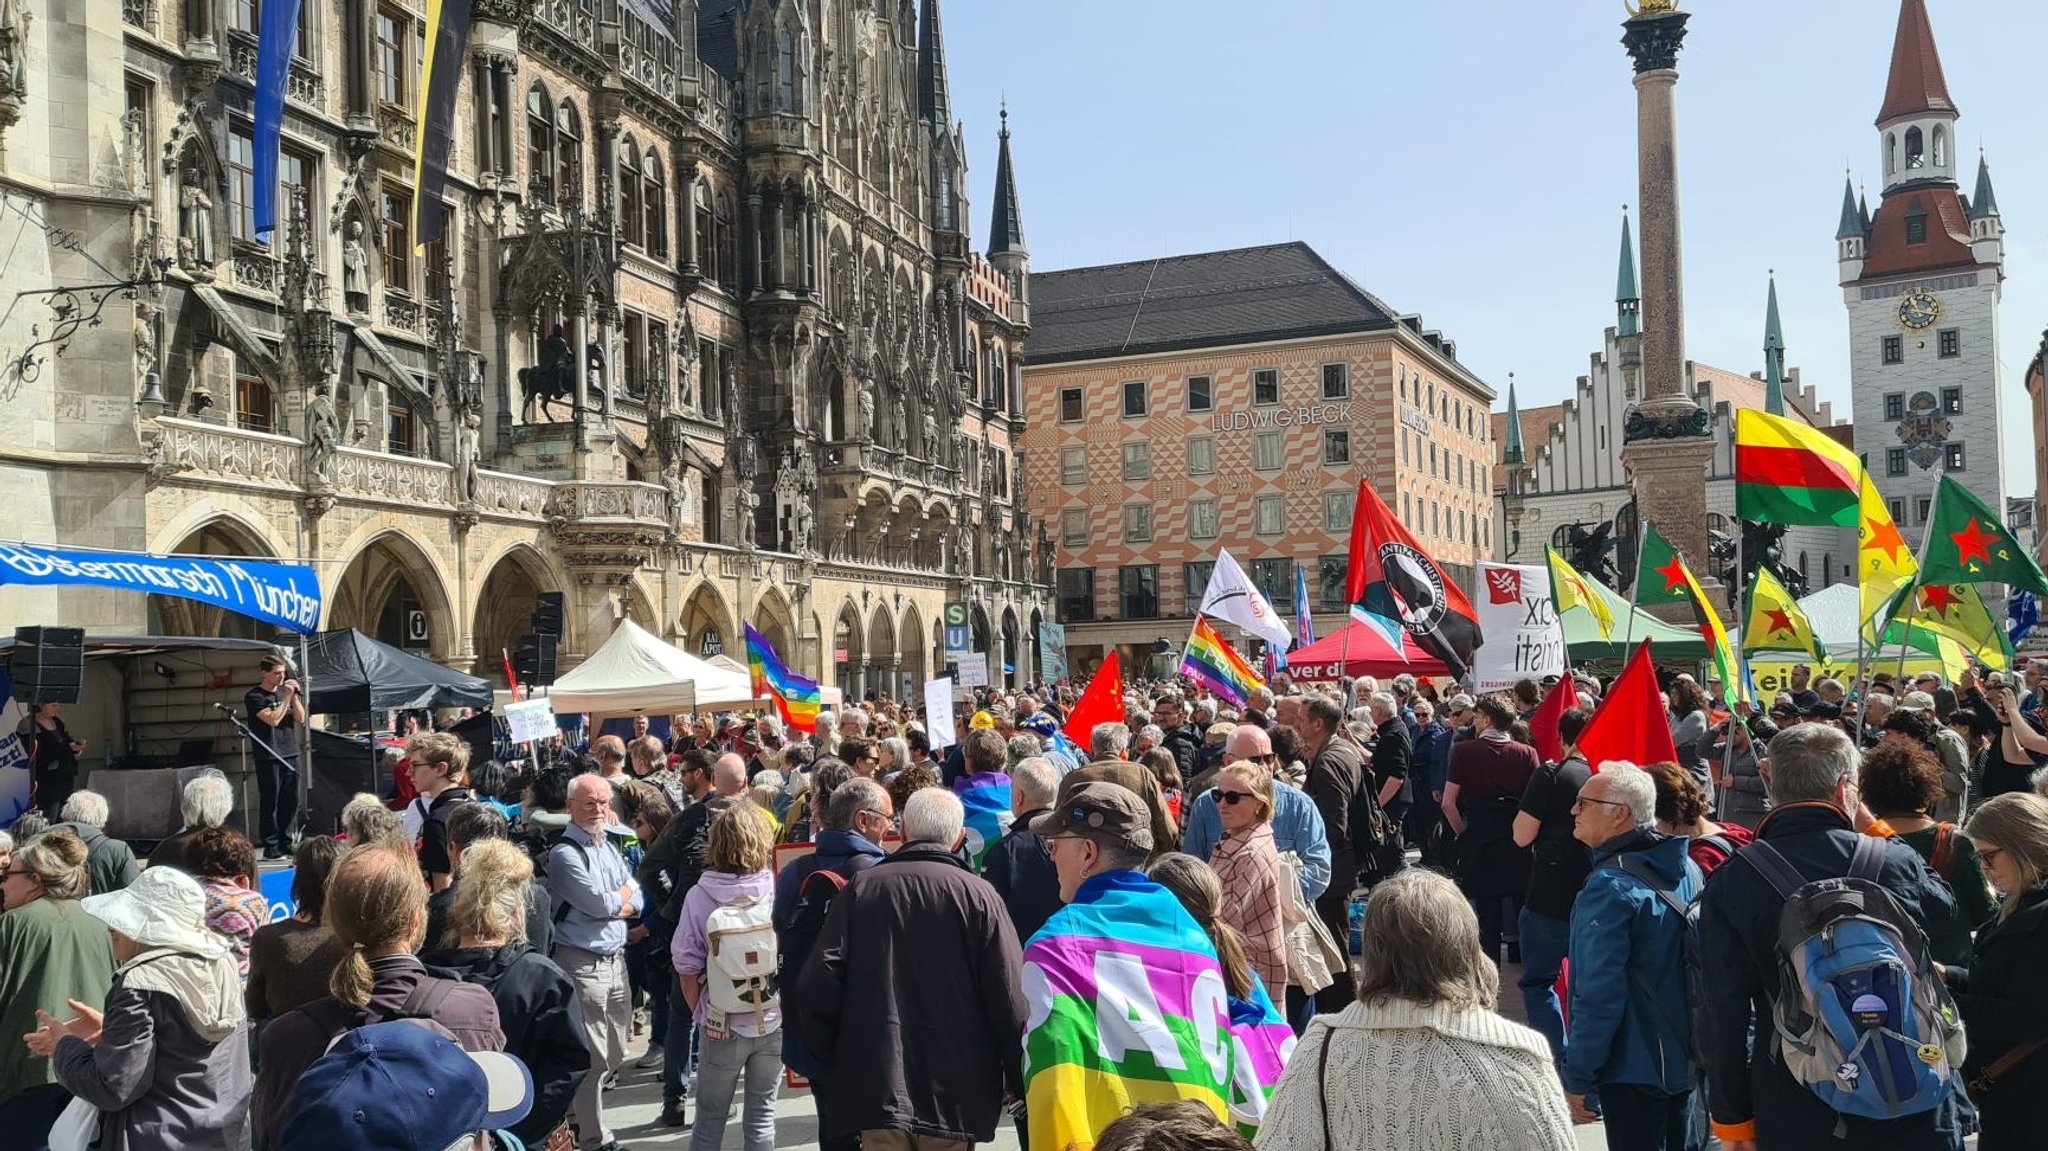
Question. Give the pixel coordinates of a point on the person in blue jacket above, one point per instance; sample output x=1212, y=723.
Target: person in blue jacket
x=1631, y=1029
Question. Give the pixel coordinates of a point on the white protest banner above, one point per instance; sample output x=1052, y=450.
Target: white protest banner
x=973, y=669
x=938, y=712
x=531, y=719
x=1523, y=637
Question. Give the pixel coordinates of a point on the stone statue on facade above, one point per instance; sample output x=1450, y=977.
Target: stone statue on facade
x=355, y=273
x=468, y=432
x=1048, y=555
x=323, y=438
x=145, y=338
x=195, y=223
x=686, y=361
x=864, y=428
x=931, y=436
x=900, y=434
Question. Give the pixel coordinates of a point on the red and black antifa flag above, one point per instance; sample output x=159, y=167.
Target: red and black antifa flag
x=1392, y=579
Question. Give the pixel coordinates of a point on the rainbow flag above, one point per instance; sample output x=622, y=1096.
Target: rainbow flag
x=1210, y=662
x=986, y=797
x=1261, y=1042
x=797, y=698
x=1126, y=957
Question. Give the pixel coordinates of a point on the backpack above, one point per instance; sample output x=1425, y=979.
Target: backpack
x=419, y=1007
x=1695, y=973
x=1862, y=1019
x=740, y=958
x=799, y=936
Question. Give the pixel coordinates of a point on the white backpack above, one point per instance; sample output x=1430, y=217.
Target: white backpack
x=740, y=961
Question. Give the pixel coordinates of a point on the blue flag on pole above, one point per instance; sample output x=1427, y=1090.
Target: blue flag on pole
x=277, y=36
x=2022, y=613
x=1304, y=626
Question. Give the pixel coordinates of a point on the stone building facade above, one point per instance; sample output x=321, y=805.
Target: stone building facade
x=1233, y=400
x=704, y=342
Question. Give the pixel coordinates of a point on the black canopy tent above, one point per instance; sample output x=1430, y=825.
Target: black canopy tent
x=350, y=672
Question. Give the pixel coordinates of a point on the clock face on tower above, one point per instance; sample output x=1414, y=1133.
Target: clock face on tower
x=1919, y=309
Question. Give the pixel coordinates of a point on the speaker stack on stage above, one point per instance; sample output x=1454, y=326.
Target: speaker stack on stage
x=47, y=664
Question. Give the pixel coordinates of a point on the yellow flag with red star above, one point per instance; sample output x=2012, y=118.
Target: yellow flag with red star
x=1967, y=542
x=1776, y=622
x=1884, y=564
x=1957, y=612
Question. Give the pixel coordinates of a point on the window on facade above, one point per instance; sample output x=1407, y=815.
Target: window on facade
x=1337, y=508
x=1200, y=398
x=1921, y=506
x=1202, y=519
x=1916, y=226
x=1949, y=343
x=1895, y=406
x=1070, y=405
x=632, y=350
x=1952, y=401
x=1897, y=508
x=1201, y=456
x=1895, y=461
x=395, y=206
x=1074, y=464
x=632, y=225
x=1269, y=515
x=1432, y=457
x=540, y=142
x=1330, y=573
x=1138, y=460
x=1266, y=451
x=655, y=194
x=1336, y=446
x=1953, y=459
x=1407, y=512
x=1074, y=528
x=392, y=34
x=1893, y=350
x=297, y=173
x=242, y=182
x=255, y=409
x=1134, y=397
x=244, y=16
x=1138, y=591
x=1076, y=591
x=434, y=261
x=568, y=153
x=1195, y=584
x=401, y=428
x=1266, y=386
x=1137, y=522
x=1404, y=445
x=1336, y=381
x=1275, y=580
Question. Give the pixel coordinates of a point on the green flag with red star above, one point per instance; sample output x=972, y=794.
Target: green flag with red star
x=1660, y=574
x=1968, y=543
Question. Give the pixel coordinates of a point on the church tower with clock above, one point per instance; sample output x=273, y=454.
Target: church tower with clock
x=1921, y=279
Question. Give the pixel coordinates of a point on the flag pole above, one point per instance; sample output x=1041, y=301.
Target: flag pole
x=1740, y=670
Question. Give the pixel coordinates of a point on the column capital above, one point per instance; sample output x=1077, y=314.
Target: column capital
x=1653, y=38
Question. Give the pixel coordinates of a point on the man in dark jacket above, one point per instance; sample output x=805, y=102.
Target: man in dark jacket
x=1755, y=1103
x=919, y=1050
x=1393, y=759
x=543, y=1024
x=1336, y=770
x=1019, y=867
x=1429, y=760
x=680, y=851
x=1179, y=736
x=109, y=862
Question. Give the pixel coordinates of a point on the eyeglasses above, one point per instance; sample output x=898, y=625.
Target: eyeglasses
x=1985, y=855
x=1586, y=799
x=1233, y=798
x=16, y=873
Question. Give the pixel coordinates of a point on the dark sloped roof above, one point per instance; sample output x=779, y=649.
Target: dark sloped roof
x=718, y=44
x=1209, y=299
x=657, y=14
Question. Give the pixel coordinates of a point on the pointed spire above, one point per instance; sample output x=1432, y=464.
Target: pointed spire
x=1006, y=224
x=1916, y=85
x=1863, y=208
x=1628, y=298
x=1511, y=452
x=1851, y=227
x=934, y=99
x=1774, y=354
x=1982, y=202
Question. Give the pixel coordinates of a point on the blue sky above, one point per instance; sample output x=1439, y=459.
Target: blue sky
x=1468, y=160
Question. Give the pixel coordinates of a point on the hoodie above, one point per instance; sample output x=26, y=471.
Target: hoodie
x=1630, y=1020
x=690, y=949
x=537, y=1008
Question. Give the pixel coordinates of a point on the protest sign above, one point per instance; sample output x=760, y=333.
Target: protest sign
x=938, y=712
x=1524, y=639
x=530, y=719
x=973, y=669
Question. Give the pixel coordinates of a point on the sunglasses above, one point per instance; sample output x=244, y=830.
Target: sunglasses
x=1233, y=798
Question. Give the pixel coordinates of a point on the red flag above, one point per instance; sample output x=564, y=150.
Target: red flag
x=1103, y=702
x=1564, y=696
x=1391, y=578
x=511, y=680
x=1631, y=723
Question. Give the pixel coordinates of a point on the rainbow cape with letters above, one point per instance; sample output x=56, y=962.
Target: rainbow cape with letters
x=1127, y=1006
x=986, y=797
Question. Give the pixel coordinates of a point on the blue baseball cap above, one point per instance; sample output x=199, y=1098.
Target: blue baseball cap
x=1039, y=723
x=401, y=1086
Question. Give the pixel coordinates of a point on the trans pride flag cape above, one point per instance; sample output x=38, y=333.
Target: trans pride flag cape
x=1127, y=1006
x=986, y=796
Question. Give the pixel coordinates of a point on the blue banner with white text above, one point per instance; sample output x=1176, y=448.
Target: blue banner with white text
x=287, y=595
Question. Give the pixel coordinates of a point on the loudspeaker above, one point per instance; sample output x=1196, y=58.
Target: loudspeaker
x=47, y=664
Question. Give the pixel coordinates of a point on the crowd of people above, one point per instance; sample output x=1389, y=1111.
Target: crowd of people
x=1285, y=923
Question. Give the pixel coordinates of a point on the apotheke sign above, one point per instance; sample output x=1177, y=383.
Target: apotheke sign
x=1277, y=417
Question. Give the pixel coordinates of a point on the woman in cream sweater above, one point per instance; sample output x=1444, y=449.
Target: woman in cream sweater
x=1420, y=1062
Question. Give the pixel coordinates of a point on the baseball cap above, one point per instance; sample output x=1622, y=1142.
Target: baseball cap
x=1103, y=812
x=1917, y=701
x=402, y=1086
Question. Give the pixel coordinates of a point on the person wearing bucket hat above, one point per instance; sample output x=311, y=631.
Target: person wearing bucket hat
x=167, y=1062
x=405, y=1086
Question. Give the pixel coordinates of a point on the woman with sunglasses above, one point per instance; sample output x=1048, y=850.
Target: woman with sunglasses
x=2002, y=997
x=1249, y=866
x=51, y=952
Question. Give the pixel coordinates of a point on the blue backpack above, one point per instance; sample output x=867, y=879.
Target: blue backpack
x=1861, y=1017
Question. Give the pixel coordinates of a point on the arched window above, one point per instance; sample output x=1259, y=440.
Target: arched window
x=788, y=80
x=631, y=224
x=568, y=154
x=701, y=218
x=1891, y=153
x=728, y=243
x=656, y=208
x=1916, y=149
x=540, y=141
x=1940, y=147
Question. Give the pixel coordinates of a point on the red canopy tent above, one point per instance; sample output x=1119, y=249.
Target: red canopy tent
x=1361, y=650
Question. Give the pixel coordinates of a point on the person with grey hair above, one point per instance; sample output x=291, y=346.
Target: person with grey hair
x=1109, y=741
x=110, y=862
x=1022, y=746
x=917, y=1053
x=1258, y=708
x=1019, y=866
x=1817, y=828
x=1628, y=1038
x=207, y=801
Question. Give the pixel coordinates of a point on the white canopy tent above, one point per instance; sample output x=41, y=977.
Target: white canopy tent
x=636, y=672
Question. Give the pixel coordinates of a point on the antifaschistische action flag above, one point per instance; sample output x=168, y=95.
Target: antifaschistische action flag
x=1968, y=543
x=1884, y=564
x=1569, y=589
x=277, y=37
x=447, y=50
x=1776, y=622
x=1103, y=702
x=798, y=699
x=1391, y=578
x=1631, y=723
x=1209, y=660
x=1788, y=473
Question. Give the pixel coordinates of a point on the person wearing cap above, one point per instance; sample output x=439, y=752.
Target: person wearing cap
x=1915, y=718
x=166, y=1062
x=914, y=996
x=1109, y=745
x=401, y=1086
